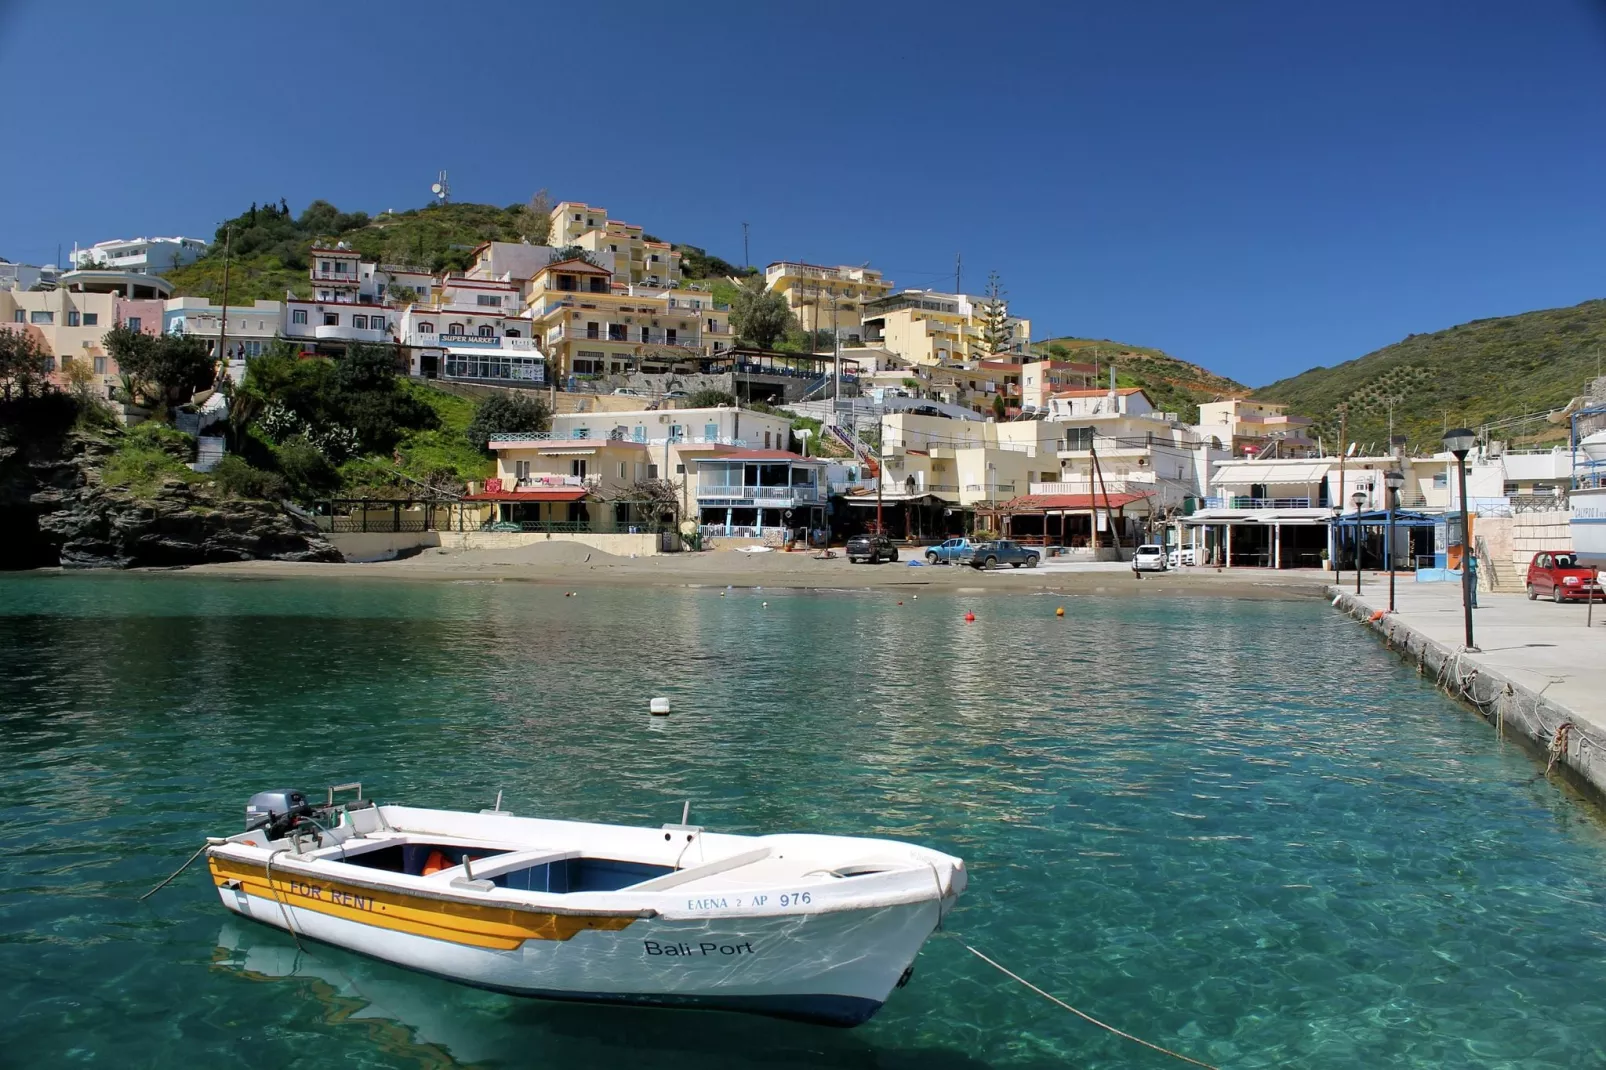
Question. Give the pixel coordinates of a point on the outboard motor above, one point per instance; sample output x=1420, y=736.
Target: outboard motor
x=276, y=811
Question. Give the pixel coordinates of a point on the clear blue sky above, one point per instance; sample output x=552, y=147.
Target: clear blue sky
x=1256, y=186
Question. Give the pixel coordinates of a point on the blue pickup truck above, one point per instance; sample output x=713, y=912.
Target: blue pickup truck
x=952, y=552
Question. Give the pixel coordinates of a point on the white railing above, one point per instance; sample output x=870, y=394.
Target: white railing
x=805, y=493
x=571, y=437
x=1113, y=486
x=555, y=481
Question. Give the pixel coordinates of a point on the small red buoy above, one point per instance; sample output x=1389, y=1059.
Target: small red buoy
x=970, y=618
x=900, y=603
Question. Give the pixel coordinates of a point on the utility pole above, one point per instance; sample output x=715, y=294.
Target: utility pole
x=958, y=262
x=747, y=261
x=223, y=326
x=1343, y=435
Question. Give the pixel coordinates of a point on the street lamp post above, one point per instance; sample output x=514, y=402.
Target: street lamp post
x=1358, y=499
x=1393, y=479
x=1459, y=443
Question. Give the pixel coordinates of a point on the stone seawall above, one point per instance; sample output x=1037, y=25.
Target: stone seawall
x=1569, y=736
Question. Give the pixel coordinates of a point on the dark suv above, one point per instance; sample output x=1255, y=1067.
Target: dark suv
x=872, y=548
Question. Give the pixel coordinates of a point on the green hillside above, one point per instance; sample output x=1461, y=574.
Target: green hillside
x=1173, y=385
x=268, y=250
x=1475, y=373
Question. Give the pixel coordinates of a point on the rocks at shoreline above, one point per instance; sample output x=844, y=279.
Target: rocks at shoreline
x=59, y=513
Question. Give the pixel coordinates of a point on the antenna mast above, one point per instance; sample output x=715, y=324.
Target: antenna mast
x=441, y=188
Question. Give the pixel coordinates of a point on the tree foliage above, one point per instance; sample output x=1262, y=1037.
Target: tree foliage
x=996, y=331
x=506, y=413
x=24, y=365
x=167, y=369
x=760, y=317
x=710, y=397
x=533, y=220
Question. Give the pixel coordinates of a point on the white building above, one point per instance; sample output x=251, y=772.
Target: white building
x=146, y=256
x=251, y=328
x=25, y=277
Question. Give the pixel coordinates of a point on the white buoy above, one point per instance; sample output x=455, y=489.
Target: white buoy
x=660, y=706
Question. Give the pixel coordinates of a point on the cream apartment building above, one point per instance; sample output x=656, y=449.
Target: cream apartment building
x=827, y=298
x=930, y=327
x=622, y=247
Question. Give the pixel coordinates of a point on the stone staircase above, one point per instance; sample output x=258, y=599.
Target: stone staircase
x=1495, y=576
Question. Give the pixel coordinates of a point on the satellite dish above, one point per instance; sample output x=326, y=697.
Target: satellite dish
x=1351, y=451
x=435, y=188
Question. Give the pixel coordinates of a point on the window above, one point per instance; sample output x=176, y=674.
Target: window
x=298, y=316
x=1440, y=480
x=323, y=265
x=100, y=365
x=652, y=471
x=19, y=316
x=331, y=319
x=513, y=332
x=621, y=470
x=521, y=470
x=677, y=433
x=360, y=322
x=713, y=326
x=710, y=432
x=577, y=467
x=488, y=299
x=646, y=335
x=72, y=318
x=454, y=328
x=669, y=336
x=41, y=317
x=680, y=469
x=653, y=258
x=426, y=328
x=613, y=248
x=91, y=319
x=577, y=217
x=1079, y=438
x=616, y=332
x=487, y=331
x=766, y=440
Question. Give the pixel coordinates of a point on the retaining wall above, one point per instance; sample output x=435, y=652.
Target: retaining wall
x=621, y=544
x=1513, y=709
x=380, y=546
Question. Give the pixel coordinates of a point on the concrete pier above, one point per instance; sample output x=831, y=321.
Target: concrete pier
x=1539, y=673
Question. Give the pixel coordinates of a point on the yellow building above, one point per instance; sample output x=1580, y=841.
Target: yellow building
x=589, y=324
x=622, y=246
x=827, y=298
x=928, y=327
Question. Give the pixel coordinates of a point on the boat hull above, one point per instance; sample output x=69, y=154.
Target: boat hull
x=833, y=968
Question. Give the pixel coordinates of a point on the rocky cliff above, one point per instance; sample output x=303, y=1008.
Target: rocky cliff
x=54, y=510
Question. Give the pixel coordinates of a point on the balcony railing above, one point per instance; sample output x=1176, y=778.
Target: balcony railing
x=989, y=488
x=1113, y=486
x=537, y=482
x=587, y=438
x=1236, y=501
x=809, y=492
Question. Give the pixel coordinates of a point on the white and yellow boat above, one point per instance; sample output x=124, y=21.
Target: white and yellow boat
x=817, y=928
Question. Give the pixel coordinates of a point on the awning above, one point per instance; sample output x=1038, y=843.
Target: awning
x=1242, y=475
x=495, y=351
x=1379, y=518
x=535, y=494
x=1033, y=503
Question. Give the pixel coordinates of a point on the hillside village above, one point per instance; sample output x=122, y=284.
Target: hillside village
x=666, y=390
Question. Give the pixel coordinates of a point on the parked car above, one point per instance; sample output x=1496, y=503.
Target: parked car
x=872, y=548
x=1149, y=558
x=627, y=392
x=951, y=551
x=677, y=394
x=1001, y=552
x=1181, y=555
x=1557, y=575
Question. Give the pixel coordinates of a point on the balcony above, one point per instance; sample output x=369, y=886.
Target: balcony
x=539, y=482
x=1112, y=486
x=731, y=493
x=1237, y=501
x=338, y=278
x=503, y=440
x=335, y=332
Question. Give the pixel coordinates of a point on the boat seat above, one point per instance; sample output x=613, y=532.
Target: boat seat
x=495, y=866
x=707, y=869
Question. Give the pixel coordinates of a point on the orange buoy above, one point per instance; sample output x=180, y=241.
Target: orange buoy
x=970, y=618
x=1379, y=615
x=435, y=863
x=1060, y=612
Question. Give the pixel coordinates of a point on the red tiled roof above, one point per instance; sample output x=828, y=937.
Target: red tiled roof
x=1028, y=502
x=539, y=494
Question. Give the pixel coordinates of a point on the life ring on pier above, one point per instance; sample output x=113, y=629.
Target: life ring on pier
x=436, y=862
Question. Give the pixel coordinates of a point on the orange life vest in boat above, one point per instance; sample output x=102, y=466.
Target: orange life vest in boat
x=435, y=863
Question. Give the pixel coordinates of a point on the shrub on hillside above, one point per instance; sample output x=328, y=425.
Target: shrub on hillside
x=710, y=397
x=506, y=413
x=305, y=468
x=236, y=477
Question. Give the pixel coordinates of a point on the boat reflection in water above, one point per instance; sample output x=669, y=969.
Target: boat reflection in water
x=423, y=1021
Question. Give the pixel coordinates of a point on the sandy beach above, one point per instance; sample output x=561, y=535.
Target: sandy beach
x=577, y=566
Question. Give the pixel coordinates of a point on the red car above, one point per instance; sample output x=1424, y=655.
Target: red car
x=1556, y=574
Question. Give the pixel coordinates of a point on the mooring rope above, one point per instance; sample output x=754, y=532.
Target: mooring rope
x=174, y=875
x=283, y=910
x=1086, y=1017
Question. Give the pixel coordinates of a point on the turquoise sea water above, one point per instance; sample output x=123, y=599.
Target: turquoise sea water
x=1239, y=829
